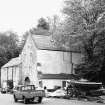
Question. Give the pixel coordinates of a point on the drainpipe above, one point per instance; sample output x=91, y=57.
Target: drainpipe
x=71, y=62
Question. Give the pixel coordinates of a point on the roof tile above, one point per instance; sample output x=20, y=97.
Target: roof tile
x=44, y=42
x=13, y=62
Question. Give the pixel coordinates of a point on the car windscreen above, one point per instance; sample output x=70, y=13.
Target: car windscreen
x=27, y=88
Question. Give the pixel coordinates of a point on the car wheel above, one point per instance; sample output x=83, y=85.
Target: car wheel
x=15, y=99
x=25, y=100
x=39, y=99
x=32, y=99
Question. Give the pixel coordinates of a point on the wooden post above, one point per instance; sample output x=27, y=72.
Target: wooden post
x=0, y=78
x=7, y=76
x=12, y=75
x=20, y=74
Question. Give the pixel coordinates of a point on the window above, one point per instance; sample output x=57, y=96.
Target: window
x=28, y=87
x=63, y=84
x=17, y=88
x=32, y=58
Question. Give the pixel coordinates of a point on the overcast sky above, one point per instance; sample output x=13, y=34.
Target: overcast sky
x=21, y=15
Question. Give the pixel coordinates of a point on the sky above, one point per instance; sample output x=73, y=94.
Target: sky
x=21, y=15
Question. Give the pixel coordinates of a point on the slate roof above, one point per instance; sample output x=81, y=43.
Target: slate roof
x=40, y=31
x=44, y=42
x=12, y=62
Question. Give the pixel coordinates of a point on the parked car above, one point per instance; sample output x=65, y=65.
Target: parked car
x=82, y=89
x=58, y=93
x=28, y=93
x=54, y=89
x=3, y=90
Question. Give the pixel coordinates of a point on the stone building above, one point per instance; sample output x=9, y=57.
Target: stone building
x=11, y=71
x=43, y=63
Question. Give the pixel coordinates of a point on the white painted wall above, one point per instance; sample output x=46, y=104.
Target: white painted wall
x=16, y=78
x=3, y=75
x=55, y=62
x=15, y=74
x=10, y=73
x=51, y=83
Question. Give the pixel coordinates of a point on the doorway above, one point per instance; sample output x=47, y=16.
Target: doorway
x=27, y=81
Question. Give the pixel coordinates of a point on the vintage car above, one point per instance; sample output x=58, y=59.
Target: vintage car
x=84, y=88
x=28, y=93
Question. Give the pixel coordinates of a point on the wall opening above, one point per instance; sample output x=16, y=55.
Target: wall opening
x=27, y=81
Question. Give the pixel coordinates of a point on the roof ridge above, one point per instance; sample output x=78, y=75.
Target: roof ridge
x=40, y=35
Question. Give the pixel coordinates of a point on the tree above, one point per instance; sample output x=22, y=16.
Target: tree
x=58, y=34
x=86, y=18
x=82, y=15
x=24, y=38
x=8, y=47
x=43, y=24
x=41, y=29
